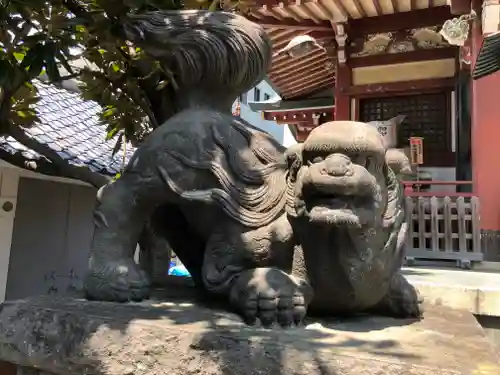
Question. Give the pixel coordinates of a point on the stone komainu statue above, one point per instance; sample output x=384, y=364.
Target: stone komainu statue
x=318, y=226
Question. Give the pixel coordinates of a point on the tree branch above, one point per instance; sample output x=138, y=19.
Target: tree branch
x=41, y=165
x=72, y=171
x=142, y=101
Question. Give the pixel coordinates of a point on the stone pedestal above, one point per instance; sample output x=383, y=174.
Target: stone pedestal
x=70, y=336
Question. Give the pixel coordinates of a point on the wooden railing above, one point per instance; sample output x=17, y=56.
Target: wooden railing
x=442, y=225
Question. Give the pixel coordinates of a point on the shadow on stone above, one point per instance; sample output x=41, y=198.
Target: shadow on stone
x=65, y=335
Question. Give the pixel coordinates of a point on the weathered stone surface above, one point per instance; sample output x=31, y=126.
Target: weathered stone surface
x=70, y=336
x=249, y=219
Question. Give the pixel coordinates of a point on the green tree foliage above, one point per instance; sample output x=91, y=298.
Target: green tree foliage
x=39, y=37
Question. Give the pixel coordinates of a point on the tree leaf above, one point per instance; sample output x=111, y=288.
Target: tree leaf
x=116, y=176
x=109, y=112
x=23, y=118
x=25, y=113
x=31, y=101
x=19, y=56
x=112, y=133
x=23, y=92
x=214, y=5
x=34, y=60
x=31, y=56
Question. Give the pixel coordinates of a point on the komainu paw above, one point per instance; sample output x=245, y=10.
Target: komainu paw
x=402, y=301
x=271, y=295
x=119, y=281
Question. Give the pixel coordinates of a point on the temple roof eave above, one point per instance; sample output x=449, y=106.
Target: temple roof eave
x=277, y=105
x=296, y=77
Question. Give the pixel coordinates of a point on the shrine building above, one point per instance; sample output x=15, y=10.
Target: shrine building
x=372, y=60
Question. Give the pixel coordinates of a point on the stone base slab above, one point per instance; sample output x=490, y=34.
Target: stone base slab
x=67, y=336
x=477, y=292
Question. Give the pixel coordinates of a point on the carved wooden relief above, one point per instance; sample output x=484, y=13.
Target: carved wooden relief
x=396, y=42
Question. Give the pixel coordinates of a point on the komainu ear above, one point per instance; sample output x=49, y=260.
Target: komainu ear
x=398, y=161
x=397, y=120
x=293, y=156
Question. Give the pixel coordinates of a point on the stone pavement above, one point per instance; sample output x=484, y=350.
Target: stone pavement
x=474, y=291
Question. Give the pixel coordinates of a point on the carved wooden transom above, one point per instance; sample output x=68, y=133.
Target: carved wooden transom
x=396, y=42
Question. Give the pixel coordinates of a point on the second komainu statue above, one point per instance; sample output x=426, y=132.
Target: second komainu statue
x=318, y=227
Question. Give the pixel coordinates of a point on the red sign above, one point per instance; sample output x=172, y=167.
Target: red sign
x=417, y=150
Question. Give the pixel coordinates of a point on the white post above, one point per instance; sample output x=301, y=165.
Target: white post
x=9, y=181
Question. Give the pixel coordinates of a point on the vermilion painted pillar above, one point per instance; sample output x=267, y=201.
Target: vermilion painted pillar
x=342, y=99
x=486, y=152
x=7, y=368
x=342, y=75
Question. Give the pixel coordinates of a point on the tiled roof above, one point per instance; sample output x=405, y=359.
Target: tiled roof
x=70, y=126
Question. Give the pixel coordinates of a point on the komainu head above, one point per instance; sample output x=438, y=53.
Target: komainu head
x=339, y=177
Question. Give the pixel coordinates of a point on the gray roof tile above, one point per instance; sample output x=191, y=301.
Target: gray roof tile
x=70, y=126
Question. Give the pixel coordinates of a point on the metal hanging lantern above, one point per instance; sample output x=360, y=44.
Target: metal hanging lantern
x=299, y=46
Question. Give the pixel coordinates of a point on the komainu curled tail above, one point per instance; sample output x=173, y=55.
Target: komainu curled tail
x=211, y=57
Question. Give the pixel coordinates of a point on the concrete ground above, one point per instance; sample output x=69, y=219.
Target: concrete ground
x=472, y=290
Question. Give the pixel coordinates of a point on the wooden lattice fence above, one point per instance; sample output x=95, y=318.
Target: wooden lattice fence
x=443, y=227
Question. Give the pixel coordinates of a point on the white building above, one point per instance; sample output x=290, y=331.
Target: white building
x=261, y=93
